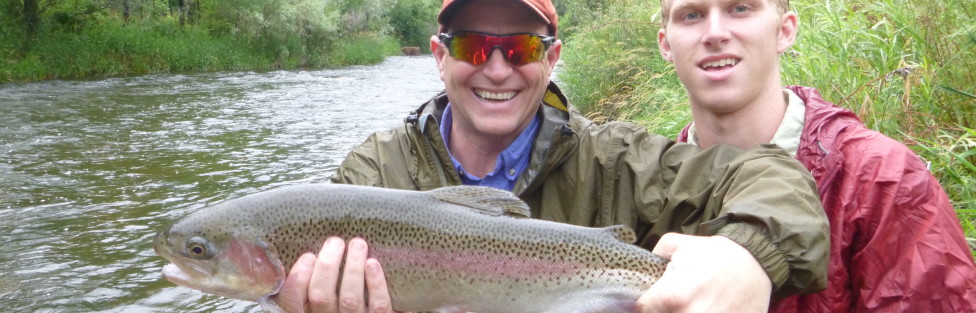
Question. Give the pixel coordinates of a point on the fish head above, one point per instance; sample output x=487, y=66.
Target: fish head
x=218, y=262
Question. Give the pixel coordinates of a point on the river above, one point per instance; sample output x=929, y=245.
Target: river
x=91, y=170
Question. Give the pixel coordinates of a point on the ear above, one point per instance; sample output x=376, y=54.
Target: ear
x=787, y=32
x=663, y=46
x=440, y=52
x=552, y=56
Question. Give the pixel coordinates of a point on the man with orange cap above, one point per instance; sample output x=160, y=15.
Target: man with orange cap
x=758, y=228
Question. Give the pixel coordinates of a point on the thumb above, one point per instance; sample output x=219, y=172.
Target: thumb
x=669, y=243
x=661, y=297
x=294, y=293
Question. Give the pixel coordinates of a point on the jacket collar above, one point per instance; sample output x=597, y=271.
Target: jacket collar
x=820, y=149
x=552, y=144
x=823, y=120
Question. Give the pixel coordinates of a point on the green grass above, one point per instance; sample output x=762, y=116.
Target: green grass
x=109, y=48
x=613, y=70
x=363, y=49
x=905, y=67
x=955, y=157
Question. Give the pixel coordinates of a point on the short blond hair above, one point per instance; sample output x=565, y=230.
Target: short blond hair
x=781, y=5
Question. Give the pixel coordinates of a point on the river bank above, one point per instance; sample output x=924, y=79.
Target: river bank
x=115, y=49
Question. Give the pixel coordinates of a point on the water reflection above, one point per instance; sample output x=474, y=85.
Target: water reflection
x=90, y=170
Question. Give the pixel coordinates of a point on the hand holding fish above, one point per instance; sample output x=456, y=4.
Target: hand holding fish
x=310, y=286
x=695, y=282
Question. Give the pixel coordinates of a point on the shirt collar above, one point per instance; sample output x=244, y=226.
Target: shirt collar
x=511, y=162
x=788, y=134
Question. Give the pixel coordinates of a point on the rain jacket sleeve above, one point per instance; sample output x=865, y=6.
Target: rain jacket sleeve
x=760, y=198
x=897, y=244
x=912, y=257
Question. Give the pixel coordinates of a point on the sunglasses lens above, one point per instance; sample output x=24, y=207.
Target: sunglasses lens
x=471, y=48
x=475, y=48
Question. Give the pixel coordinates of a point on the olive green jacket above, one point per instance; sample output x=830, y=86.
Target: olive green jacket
x=618, y=174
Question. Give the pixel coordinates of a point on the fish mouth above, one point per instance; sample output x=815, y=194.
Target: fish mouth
x=193, y=276
x=177, y=275
x=185, y=275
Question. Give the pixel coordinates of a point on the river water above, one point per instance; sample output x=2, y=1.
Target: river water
x=91, y=170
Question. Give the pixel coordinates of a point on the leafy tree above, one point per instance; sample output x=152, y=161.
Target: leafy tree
x=414, y=21
x=284, y=27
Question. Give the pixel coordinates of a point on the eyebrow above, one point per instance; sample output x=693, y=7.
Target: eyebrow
x=685, y=5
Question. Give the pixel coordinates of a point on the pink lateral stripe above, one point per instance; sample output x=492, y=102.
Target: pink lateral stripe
x=475, y=262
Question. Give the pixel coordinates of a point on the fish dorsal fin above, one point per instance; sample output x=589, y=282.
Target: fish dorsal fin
x=484, y=200
x=622, y=233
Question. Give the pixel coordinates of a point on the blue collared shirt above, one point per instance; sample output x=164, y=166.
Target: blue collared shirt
x=511, y=162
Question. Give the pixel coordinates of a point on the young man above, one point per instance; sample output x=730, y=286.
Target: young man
x=896, y=244
x=502, y=123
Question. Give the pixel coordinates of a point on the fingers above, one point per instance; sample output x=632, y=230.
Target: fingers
x=694, y=282
x=379, y=294
x=294, y=292
x=322, y=290
x=338, y=265
x=351, y=293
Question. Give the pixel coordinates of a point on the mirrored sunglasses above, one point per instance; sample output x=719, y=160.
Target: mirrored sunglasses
x=475, y=48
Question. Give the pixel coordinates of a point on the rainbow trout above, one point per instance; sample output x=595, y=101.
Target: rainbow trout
x=452, y=249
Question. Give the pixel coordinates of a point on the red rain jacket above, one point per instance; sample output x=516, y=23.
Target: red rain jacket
x=896, y=244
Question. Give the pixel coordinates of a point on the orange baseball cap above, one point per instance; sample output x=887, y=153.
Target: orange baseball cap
x=543, y=8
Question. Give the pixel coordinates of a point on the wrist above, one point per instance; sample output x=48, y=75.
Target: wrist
x=772, y=260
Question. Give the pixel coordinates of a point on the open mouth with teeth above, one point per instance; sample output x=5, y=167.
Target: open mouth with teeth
x=719, y=64
x=495, y=96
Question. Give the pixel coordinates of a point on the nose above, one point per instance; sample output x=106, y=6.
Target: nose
x=158, y=242
x=716, y=31
x=496, y=67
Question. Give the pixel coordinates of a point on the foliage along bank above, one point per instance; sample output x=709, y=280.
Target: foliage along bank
x=90, y=38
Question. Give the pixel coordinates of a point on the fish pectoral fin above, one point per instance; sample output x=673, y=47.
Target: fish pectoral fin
x=484, y=200
x=622, y=233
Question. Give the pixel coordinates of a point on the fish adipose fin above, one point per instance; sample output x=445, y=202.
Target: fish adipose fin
x=484, y=200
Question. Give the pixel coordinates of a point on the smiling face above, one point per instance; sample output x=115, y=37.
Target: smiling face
x=494, y=99
x=726, y=52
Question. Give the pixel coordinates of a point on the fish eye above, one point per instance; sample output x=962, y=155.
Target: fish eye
x=197, y=247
